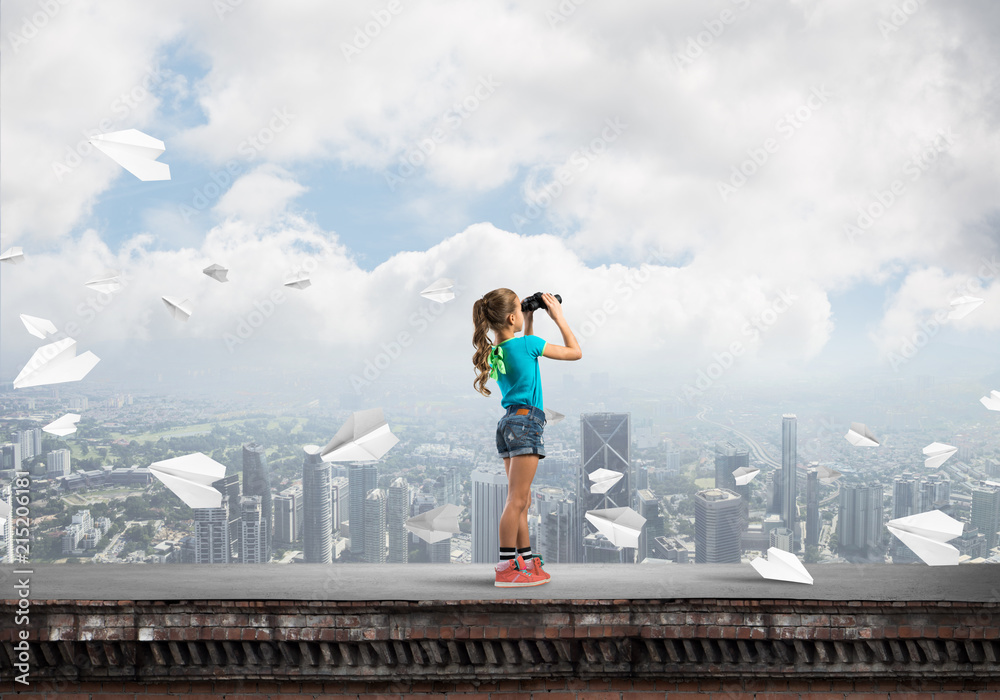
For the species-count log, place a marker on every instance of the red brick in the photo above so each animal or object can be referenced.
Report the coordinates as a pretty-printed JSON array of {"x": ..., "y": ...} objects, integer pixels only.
[
  {"x": 599, "y": 695},
  {"x": 641, "y": 695}
]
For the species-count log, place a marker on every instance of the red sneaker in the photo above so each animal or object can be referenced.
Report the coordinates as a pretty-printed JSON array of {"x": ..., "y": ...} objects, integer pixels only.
[
  {"x": 512, "y": 574},
  {"x": 534, "y": 567}
]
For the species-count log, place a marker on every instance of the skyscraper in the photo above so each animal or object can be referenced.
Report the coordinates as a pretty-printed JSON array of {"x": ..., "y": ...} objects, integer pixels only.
[
  {"x": 229, "y": 486},
  {"x": 251, "y": 531},
  {"x": 398, "y": 509},
  {"x": 30, "y": 441},
  {"x": 57, "y": 463},
  {"x": 905, "y": 497},
  {"x": 288, "y": 516},
  {"x": 340, "y": 496},
  {"x": 729, "y": 458},
  {"x": 605, "y": 439},
  {"x": 11, "y": 456},
  {"x": 317, "y": 508},
  {"x": 257, "y": 482},
  {"x": 211, "y": 532},
  {"x": 718, "y": 516},
  {"x": 649, "y": 508},
  {"x": 447, "y": 487},
  {"x": 859, "y": 522},
  {"x": 559, "y": 538},
  {"x": 789, "y": 462},
  {"x": 374, "y": 517},
  {"x": 986, "y": 512},
  {"x": 489, "y": 495},
  {"x": 774, "y": 492},
  {"x": 812, "y": 508},
  {"x": 361, "y": 479}
]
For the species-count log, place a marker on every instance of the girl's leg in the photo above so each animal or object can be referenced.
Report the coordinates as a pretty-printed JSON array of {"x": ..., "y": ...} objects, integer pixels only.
[
  {"x": 523, "y": 536},
  {"x": 520, "y": 474}
]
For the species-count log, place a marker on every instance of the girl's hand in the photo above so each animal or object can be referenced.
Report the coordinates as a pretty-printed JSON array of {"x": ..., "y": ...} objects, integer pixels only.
[{"x": 553, "y": 306}]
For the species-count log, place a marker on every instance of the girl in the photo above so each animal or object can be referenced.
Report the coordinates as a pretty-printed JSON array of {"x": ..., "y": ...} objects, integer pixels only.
[{"x": 513, "y": 363}]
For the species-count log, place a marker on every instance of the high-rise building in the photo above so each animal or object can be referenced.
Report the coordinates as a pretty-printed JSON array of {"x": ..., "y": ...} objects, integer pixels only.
[
  {"x": 559, "y": 538},
  {"x": 489, "y": 495},
  {"x": 375, "y": 531},
  {"x": 774, "y": 491},
  {"x": 905, "y": 501},
  {"x": 252, "y": 531},
  {"x": 648, "y": 506},
  {"x": 317, "y": 508},
  {"x": 729, "y": 458},
  {"x": 860, "y": 520},
  {"x": 10, "y": 455},
  {"x": 57, "y": 463},
  {"x": 718, "y": 525},
  {"x": 229, "y": 486},
  {"x": 340, "y": 496},
  {"x": 288, "y": 516},
  {"x": 361, "y": 479},
  {"x": 398, "y": 510},
  {"x": 781, "y": 538},
  {"x": 935, "y": 493},
  {"x": 211, "y": 533},
  {"x": 30, "y": 441},
  {"x": 257, "y": 482},
  {"x": 605, "y": 441},
  {"x": 986, "y": 512},
  {"x": 447, "y": 487},
  {"x": 789, "y": 465},
  {"x": 812, "y": 508}
]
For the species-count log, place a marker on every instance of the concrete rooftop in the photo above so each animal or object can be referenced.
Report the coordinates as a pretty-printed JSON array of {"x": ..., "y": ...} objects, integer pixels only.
[{"x": 438, "y": 582}]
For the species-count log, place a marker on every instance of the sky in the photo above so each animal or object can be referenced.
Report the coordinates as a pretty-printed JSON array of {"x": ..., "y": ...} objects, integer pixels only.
[{"x": 727, "y": 187}]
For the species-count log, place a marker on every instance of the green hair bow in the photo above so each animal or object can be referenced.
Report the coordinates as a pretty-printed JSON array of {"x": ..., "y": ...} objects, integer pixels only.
[{"x": 496, "y": 362}]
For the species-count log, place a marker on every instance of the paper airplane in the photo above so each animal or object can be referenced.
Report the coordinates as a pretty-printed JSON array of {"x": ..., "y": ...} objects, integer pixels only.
[
  {"x": 14, "y": 255},
  {"x": 216, "y": 272},
  {"x": 622, "y": 526},
  {"x": 991, "y": 402},
  {"x": 604, "y": 479},
  {"x": 937, "y": 454},
  {"x": 927, "y": 535},
  {"x": 435, "y": 525},
  {"x": 963, "y": 306},
  {"x": 781, "y": 566},
  {"x": 363, "y": 438},
  {"x": 552, "y": 417},
  {"x": 860, "y": 436},
  {"x": 177, "y": 308},
  {"x": 190, "y": 478},
  {"x": 299, "y": 282},
  {"x": 38, "y": 327},
  {"x": 108, "y": 282},
  {"x": 440, "y": 291},
  {"x": 744, "y": 475},
  {"x": 135, "y": 151},
  {"x": 64, "y": 425},
  {"x": 827, "y": 474},
  {"x": 56, "y": 363}
]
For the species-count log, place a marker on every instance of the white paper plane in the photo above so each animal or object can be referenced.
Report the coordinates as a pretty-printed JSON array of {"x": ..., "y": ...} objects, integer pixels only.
[
  {"x": 744, "y": 475},
  {"x": 826, "y": 474},
  {"x": 604, "y": 479},
  {"x": 440, "y": 291},
  {"x": 963, "y": 306},
  {"x": 860, "y": 436},
  {"x": 299, "y": 282},
  {"x": 190, "y": 478},
  {"x": 179, "y": 309},
  {"x": 937, "y": 453},
  {"x": 552, "y": 417},
  {"x": 108, "y": 282},
  {"x": 363, "y": 438},
  {"x": 217, "y": 272},
  {"x": 927, "y": 535},
  {"x": 14, "y": 256},
  {"x": 435, "y": 525},
  {"x": 622, "y": 526},
  {"x": 135, "y": 151},
  {"x": 56, "y": 363},
  {"x": 781, "y": 566},
  {"x": 38, "y": 327},
  {"x": 63, "y": 425},
  {"x": 991, "y": 402}
]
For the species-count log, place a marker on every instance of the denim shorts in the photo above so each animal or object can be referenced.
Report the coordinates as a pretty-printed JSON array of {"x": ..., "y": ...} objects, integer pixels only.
[{"x": 521, "y": 434}]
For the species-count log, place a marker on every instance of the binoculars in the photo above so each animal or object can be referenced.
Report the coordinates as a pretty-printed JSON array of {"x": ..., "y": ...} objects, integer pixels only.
[{"x": 534, "y": 302}]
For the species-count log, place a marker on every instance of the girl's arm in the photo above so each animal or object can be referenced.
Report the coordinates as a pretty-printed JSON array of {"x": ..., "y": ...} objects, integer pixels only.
[{"x": 571, "y": 351}]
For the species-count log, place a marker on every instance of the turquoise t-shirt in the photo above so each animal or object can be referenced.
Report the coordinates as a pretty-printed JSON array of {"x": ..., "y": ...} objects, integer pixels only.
[{"x": 522, "y": 384}]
